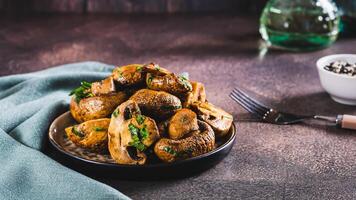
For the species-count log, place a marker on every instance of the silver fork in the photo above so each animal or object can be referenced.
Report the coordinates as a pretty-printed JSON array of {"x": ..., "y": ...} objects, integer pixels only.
[{"x": 273, "y": 116}]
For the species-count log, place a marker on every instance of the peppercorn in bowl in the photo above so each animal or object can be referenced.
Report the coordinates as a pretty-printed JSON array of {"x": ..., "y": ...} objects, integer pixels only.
[{"x": 338, "y": 77}]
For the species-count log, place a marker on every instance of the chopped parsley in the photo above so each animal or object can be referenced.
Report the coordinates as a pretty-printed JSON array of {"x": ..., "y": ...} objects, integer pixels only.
[
  {"x": 83, "y": 91},
  {"x": 116, "y": 113},
  {"x": 144, "y": 133},
  {"x": 227, "y": 117},
  {"x": 149, "y": 79},
  {"x": 138, "y": 135},
  {"x": 137, "y": 143},
  {"x": 99, "y": 128},
  {"x": 133, "y": 74},
  {"x": 157, "y": 67},
  {"x": 119, "y": 73},
  {"x": 77, "y": 132},
  {"x": 184, "y": 80},
  {"x": 140, "y": 119},
  {"x": 139, "y": 68},
  {"x": 170, "y": 150},
  {"x": 133, "y": 130},
  {"x": 185, "y": 75},
  {"x": 182, "y": 154}
]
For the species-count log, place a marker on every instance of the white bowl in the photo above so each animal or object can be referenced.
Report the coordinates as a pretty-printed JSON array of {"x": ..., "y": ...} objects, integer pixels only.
[{"x": 341, "y": 87}]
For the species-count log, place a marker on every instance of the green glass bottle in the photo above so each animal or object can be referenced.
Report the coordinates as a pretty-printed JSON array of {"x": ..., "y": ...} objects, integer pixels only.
[
  {"x": 348, "y": 18},
  {"x": 300, "y": 24}
]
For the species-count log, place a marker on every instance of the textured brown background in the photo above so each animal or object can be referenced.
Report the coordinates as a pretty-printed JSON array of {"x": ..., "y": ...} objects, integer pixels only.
[
  {"x": 129, "y": 6},
  {"x": 267, "y": 161}
]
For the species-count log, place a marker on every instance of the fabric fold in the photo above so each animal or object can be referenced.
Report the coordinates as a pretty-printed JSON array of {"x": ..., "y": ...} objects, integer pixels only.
[{"x": 28, "y": 104}]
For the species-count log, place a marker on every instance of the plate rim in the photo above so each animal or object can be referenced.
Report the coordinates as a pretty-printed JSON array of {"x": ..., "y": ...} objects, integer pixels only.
[{"x": 180, "y": 162}]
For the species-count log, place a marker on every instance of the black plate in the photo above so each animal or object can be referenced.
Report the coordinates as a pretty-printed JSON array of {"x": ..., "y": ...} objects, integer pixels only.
[{"x": 102, "y": 165}]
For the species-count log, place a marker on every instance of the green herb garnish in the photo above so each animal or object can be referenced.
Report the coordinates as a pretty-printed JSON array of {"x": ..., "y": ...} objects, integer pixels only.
[
  {"x": 138, "y": 145},
  {"x": 149, "y": 79},
  {"x": 140, "y": 119},
  {"x": 170, "y": 150},
  {"x": 119, "y": 73},
  {"x": 86, "y": 84},
  {"x": 227, "y": 117},
  {"x": 116, "y": 113},
  {"x": 138, "y": 135},
  {"x": 77, "y": 132},
  {"x": 144, "y": 133},
  {"x": 99, "y": 129},
  {"x": 139, "y": 68},
  {"x": 135, "y": 135},
  {"x": 185, "y": 75},
  {"x": 183, "y": 154},
  {"x": 184, "y": 80},
  {"x": 83, "y": 91},
  {"x": 133, "y": 130},
  {"x": 157, "y": 67}
]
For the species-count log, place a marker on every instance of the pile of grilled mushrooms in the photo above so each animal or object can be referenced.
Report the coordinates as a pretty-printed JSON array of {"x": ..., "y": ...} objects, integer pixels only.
[{"x": 142, "y": 110}]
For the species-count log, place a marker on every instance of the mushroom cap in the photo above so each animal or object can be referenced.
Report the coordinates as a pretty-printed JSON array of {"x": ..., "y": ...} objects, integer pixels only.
[
  {"x": 182, "y": 122},
  {"x": 130, "y": 133},
  {"x": 156, "y": 104},
  {"x": 96, "y": 107},
  {"x": 155, "y": 69},
  {"x": 196, "y": 95},
  {"x": 200, "y": 142},
  {"x": 128, "y": 75},
  {"x": 105, "y": 86},
  {"x": 217, "y": 118},
  {"x": 91, "y": 134},
  {"x": 170, "y": 83}
]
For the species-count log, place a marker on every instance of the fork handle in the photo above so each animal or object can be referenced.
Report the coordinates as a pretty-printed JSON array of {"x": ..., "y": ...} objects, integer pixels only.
[{"x": 346, "y": 121}]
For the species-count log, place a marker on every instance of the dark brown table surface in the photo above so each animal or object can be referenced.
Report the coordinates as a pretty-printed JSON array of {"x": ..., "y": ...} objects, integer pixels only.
[{"x": 267, "y": 161}]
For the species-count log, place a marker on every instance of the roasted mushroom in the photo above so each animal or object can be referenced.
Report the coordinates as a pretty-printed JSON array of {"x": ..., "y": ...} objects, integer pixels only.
[
  {"x": 135, "y": 74},
  {"x": 129, "y": 75},
  {"x": 95, "y": 107},
  {"x": 147, "y": 119},
  {"x": 95, "y": 100},
  {"x": 217, "y": 118},
  {"x": 91, "y": 134},
  {"x": 182, "y": 122},
  {"x": 105, "y": 86},
  {"x": 200, "y": 142},
  {"x": 156, "y": 104},
  {"x": 177, "y": 85},
  {"x": 196, "y": 95},
  {"x": 155, "y": 69},
  {"x": 130, "y": 134}
]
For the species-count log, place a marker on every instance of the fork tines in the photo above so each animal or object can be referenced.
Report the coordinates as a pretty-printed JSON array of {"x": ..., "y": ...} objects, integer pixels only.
[{"x": 250, "y": 104}]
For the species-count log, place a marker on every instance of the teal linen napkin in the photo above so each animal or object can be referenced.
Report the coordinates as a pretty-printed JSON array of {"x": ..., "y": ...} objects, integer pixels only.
[{"x": 28, "y": 104}]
